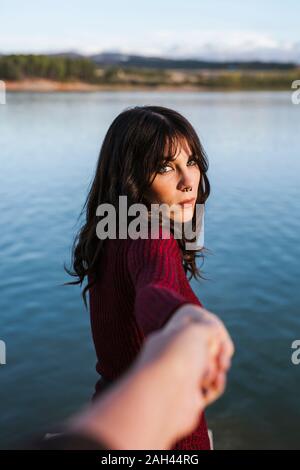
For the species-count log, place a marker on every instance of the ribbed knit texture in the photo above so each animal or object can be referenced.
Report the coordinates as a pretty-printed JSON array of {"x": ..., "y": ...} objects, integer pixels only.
[{"x": 142, "y": 284}]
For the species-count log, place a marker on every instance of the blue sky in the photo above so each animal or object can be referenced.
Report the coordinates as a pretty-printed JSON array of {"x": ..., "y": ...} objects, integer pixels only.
[{"x": 212, "y": 29}]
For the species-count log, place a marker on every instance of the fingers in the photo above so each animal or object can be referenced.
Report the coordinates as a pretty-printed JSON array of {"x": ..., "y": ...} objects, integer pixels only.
[
  {"x": 215, "y": 382},
  {"x": 221, "y": 336},
  {"x": 224, "y": 355},
  {"x": 215, "y": 389},
  {"x": 221, "y": 350},
  {"x": 199, "y": 334}
]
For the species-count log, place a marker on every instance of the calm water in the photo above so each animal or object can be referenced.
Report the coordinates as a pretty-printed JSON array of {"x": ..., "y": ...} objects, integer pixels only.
[{"x": 49, "y": 145}]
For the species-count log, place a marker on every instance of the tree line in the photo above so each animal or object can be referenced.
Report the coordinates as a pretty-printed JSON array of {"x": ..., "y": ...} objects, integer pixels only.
[{"x": 21, "y": 66}]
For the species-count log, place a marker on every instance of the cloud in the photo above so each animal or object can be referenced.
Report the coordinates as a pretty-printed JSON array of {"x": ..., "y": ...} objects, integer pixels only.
[
  {"x": 194, "y": 44},
  {"x": 213, "y": 45}
]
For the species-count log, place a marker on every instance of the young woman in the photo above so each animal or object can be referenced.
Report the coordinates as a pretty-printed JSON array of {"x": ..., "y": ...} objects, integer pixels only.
[{"x": 151, "y": 154}]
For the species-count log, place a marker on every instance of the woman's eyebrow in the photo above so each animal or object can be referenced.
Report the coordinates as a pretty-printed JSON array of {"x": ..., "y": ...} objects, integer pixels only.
[{"x": 170, "y": 158}]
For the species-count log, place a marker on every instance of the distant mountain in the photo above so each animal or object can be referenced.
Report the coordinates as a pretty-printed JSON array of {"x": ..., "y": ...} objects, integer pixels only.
[
  {"x": 70, "y": 54},
  {"x": 140, "y": 61},
  {"x": 110, "y": 58}
]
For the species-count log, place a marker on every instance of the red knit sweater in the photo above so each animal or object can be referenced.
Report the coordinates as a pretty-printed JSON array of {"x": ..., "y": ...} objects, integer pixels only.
[{"x": 142, "y": 284}]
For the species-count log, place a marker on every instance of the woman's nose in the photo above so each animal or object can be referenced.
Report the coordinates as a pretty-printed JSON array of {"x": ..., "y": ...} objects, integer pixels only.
[{"x": 185, "y": 180}]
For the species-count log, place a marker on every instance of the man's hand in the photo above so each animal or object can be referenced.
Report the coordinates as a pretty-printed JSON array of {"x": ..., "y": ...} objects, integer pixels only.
[
  {"x": 181, "y": 369},
  {"x": 218, "y": 349}
]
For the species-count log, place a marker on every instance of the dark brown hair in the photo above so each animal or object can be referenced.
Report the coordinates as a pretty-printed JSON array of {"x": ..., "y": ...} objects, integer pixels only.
[{"x": 132, "y": 152}]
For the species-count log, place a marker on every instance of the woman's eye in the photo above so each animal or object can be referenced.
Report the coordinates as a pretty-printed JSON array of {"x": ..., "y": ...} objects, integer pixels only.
[
  {"x": 168, "y": 168},
  {"x": 164, "y": 169}
]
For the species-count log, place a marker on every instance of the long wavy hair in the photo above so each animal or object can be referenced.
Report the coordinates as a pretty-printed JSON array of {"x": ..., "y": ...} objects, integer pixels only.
[{"x": 132, "y": 152}]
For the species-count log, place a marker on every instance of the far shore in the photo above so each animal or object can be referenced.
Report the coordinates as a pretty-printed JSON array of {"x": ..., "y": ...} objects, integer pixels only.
[{"x": 43, "y": 85}]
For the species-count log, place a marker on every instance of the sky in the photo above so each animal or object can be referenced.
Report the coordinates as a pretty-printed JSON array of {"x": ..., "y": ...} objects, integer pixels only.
[{"x": 211, "y": 29}]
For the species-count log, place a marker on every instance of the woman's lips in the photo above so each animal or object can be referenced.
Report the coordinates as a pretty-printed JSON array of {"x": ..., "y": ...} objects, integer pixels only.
[{"x": 187, "y": 202}]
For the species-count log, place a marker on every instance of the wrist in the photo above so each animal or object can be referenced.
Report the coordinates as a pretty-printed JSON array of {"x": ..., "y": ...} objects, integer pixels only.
[{"x": 131, "y": 416}]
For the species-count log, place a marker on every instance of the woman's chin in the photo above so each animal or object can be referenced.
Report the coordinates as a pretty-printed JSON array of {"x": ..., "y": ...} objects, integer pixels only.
[{"x": 184, "y": 215}]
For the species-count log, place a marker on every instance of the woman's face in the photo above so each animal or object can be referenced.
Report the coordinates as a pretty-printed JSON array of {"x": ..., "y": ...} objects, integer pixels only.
[{"x": 176, "y": 182}]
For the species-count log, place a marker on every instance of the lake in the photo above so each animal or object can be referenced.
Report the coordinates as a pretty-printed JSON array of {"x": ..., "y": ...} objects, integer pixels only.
[{"x": 49, "y": 145}]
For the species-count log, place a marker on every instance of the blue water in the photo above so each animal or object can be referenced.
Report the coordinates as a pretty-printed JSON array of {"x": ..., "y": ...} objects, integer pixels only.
[{"x": 49, "y": 146}]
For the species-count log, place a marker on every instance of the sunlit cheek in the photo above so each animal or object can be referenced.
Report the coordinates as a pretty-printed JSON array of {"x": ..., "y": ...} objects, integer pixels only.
[
  {"x": 196, "y": 176},
  {"x": 162, "y": 190}
]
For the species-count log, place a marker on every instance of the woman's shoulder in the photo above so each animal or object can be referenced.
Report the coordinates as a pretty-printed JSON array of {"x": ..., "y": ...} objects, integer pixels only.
[
  {"x": 158, "y": 251},
  {"x": 160, "y": 239}
]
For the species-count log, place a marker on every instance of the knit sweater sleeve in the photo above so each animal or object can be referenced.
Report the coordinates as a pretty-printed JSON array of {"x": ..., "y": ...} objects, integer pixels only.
[{"x": 154, "y": 267}]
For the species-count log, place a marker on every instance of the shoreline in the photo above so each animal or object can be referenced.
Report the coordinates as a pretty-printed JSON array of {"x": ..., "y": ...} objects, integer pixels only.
[{"x": 42, "y": 85}]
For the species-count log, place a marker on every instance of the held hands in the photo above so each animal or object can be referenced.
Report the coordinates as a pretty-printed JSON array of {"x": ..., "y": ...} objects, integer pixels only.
[
  {"x": 181, "y": 369},
  {"x": 190, "y": 357},
  {"x": 218, "y": 344},
  {"x": 197, "y": 345}
]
